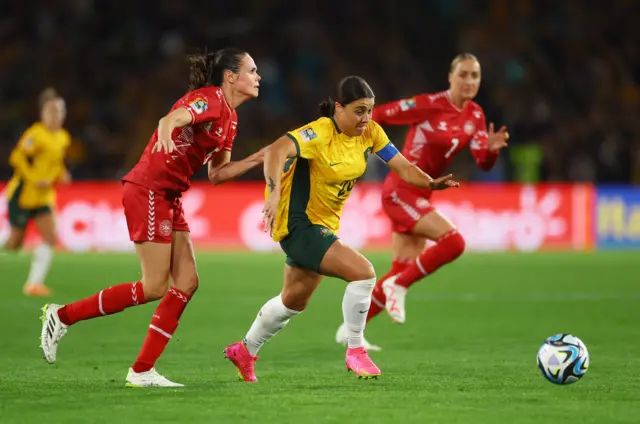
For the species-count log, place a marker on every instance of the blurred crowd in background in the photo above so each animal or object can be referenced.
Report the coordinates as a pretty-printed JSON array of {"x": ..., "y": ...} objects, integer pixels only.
[{"x": 563, "y": 76}]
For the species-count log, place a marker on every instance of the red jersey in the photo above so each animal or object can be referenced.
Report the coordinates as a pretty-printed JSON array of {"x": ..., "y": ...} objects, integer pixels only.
[
  {"x": 438, "y": 131},
  {"x": 212, "y": 130}
]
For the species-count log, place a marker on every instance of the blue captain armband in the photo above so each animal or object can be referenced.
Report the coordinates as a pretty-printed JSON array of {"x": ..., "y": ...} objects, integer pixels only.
[{"x": 387, "y": 152}]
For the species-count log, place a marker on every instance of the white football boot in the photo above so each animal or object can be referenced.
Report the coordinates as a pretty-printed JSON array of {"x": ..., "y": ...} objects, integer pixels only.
[
  {"x": 395, "y": 299},
  {"x": 341, "y": 338},
  {"x": 52, "y": 331},
  {"x": 149, "y": 378}
]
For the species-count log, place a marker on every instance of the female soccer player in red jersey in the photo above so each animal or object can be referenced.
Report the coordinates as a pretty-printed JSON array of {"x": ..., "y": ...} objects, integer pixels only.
[
  {"x": 198, "y": 130},
  {"x": 441, "y": 126}
]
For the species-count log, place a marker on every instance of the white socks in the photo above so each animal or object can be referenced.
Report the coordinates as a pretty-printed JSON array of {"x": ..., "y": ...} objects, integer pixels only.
[
  {"x": 40, "y": 264},
  {"x": 355, "y": 305},
  {"x": 272, "y": 318}
]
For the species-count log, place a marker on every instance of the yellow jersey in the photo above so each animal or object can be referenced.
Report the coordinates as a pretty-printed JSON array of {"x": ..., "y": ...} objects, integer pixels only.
[
  {"x": 38, "y": 156},
  {"x": 317, "y": 182}
]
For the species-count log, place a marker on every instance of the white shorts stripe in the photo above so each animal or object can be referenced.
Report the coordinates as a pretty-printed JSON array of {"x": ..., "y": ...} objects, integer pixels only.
[
  {"x": 161, "y": 331},
  {"x": 422, "y": 270},
  {"x": 100, "y": 303},
  {"x": 414, "y": 214}
]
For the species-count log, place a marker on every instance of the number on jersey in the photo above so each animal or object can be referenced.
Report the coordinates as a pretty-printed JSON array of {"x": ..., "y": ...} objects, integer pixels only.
[{"x": 454, "y": 145}]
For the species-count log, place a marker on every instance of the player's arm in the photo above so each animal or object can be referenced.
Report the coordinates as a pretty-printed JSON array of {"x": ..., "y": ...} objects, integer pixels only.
[
  {"x": 404, "y": 112},
  {"x": 22, "y": 156},
  {"x": 221, "y": 169},
  {"x": 485, "y": 146},
  {"x": 177, "y": 118},
  {"x": 275, "y": 157},
  {"x": 406, "y": 170},
  {"x": 413, "y": 175}
]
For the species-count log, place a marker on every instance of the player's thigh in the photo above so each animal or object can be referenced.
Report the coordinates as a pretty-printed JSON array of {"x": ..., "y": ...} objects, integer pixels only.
[
  {"x": 346, "y": 263},
  {"x": 432, "y": 226},
  {"x": 184, "y": 273},
  {"x": 46, "y": 224},
  {"x": 299, "y": 285},
  {"x": 155, "y": 261},
  {"x": 407, "y": 246}
]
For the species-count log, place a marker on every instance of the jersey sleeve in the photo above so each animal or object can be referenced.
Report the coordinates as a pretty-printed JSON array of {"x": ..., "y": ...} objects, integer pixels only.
[
  {"x": 382, "y": 146},
  {"x": 233, "y": 130},
  {"x": 404, "y": 112},
  {"x": 479, "y": 146},
  {"x": 203, "y": 104},
  {"x": 307, "y": 138}
]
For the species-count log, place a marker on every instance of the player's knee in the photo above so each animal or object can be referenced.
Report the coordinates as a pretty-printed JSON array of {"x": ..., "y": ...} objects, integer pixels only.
[
  {"x": 363, "y": 272},
  {"x": 188, "y": 284},
  {"x": 456, "y": 244},
  {"x": 155, "y": 288},
  {"x": 295, "y": 300}
]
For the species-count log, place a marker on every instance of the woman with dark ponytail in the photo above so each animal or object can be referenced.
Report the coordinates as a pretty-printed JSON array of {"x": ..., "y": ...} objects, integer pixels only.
[
  {"x": 310, "y": 173},
  {"x": 199, "y": 129}
]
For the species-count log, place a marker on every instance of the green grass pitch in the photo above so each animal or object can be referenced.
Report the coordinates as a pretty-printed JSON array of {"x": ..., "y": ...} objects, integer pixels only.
[{"x": 465, "y": 355}]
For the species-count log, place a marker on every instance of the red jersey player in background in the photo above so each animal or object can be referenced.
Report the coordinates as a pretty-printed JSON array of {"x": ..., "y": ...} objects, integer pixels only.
[
  {"x": 198, "y": 130},
  {"x": 441, "y": 126}
]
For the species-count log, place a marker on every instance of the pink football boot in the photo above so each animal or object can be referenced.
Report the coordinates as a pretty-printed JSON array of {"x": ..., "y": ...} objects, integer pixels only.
[
  {"x": 242, "y": 359},
  {"x": 359, "y": 362}
]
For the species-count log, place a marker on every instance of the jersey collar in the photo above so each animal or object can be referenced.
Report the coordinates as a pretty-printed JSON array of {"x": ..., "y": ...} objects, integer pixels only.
[{"x": 335, "y": 124}]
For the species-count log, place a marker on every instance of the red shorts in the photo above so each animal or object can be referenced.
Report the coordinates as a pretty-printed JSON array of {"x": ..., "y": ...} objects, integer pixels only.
[
  {"x": 405, "y": 208},
  {"x": 150, "y": 216}
]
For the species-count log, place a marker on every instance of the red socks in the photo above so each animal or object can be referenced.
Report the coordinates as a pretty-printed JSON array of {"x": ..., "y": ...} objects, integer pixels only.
[
  {"x": 107, "y": 302},
  {"x": 163, "y": 325},
  {"x": 377, "y": 297},
  {"x": 448, "y": 247}
]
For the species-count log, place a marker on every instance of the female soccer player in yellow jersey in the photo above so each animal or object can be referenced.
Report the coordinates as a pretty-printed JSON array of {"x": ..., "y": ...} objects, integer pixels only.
[
  {"x": 38, "y": 163},
  {"x": 310, "y": 173}
]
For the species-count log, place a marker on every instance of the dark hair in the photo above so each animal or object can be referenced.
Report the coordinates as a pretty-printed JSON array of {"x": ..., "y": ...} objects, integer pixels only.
[
  {"x": 350, "y": 88},
  {"x": 208, "y": 68},
  {"x": 47, "y": 95}
]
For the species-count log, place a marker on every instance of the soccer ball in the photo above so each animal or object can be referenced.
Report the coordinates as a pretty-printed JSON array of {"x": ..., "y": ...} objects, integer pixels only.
[{"x": 563, "y": 359}]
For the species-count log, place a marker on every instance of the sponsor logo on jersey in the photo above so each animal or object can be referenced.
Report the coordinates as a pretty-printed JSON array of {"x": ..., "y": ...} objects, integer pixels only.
[
  {"x": 442, "y": 126},
  {"x": 477, "y": 114},
  {"x": 407, "y": 104},
  {"x": 469, "y": 128},
  {"x": 308, "y": 134},
  {"x": 199, "y": 105}
]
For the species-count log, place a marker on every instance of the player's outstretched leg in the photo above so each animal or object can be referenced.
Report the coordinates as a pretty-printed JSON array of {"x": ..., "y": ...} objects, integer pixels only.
[
  {"x": 273, "y": 317},
  {"x": 42, "y": 256},
  {"x": 155, "y": 259},
  {"x": 299, "y": 285},
  {"x": 184, "y": 277},
  {"x": 448, "y": 247}
]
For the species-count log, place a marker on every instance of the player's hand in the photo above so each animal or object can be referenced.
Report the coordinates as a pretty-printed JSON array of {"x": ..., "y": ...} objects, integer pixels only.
[
  {"x": 165, "y": 144},
  {"x": 497, "y": 140},
  {"x": 269, "y": 212},
  {"x": 42, "y": 184},
  {"x": 66, "y": 178},
  {"x": 443, "y": 183}
]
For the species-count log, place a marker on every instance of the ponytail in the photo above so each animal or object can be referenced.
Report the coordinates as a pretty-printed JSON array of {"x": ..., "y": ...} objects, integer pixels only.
[
  {"x": 209, "y": 68},
  {"x": 327, "y": 107},
  {"x": 200, "y": 66}
]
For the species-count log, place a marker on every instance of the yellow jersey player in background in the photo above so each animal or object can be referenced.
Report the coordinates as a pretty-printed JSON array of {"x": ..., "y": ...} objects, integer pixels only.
[
  {"x": 38, "y": 163},
  {"x": 310, "y": 173}
]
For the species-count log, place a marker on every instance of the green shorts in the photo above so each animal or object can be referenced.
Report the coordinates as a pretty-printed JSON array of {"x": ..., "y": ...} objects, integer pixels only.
[
  {"x": 19, "y": 217},
  {"x": 306, "y": 245}
]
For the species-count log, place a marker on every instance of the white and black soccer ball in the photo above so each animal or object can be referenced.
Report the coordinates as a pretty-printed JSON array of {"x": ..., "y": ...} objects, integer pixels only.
[{"x": 563, "y": 359}]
